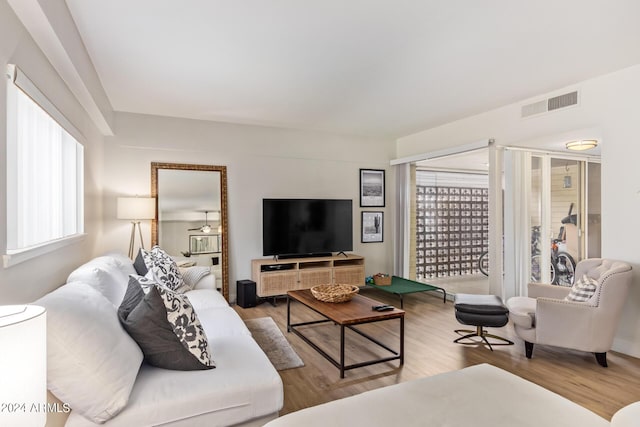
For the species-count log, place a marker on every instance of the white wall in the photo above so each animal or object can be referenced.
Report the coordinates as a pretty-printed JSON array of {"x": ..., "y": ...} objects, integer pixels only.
[
  {"x": 608, "y": 110},
  {"x": 27, "y": 281},
  {"x": 261, "y": 162}
]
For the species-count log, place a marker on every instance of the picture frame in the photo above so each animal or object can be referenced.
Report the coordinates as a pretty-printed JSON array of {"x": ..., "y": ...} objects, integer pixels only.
[
  {"x": 372, "y": 189},
  {"x": 372, "y": 227},
  {"x": 204, "y": 243}
]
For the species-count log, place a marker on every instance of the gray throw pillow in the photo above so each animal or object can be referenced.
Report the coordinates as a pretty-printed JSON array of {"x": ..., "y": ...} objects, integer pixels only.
[
  {"x": 583, "y": 290},
  {"x": 139, "y": 265},
  {"x": 132, "y": 297},
  {"x": 166, "y": 327}
]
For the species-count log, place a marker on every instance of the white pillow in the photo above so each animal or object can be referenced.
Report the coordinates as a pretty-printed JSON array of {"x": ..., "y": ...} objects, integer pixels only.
[
  {"x": 125, "y": 263},
  {"x": 583, "y": 290},
  {"x": 105, "y": 274},
  {"x": 193, "y": 275},
  {"x": 92, "y": 362}
]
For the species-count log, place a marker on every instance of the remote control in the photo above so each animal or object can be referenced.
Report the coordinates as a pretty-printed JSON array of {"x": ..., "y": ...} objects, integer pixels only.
[{"x": 383, "y": 307}]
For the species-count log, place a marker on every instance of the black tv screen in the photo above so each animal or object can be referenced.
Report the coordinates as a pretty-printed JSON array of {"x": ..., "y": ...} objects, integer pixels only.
[{"x": 299, "y": 227}]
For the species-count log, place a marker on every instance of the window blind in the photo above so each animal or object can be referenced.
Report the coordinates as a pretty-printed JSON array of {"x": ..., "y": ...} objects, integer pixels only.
[{"x": 44, "y": 169}]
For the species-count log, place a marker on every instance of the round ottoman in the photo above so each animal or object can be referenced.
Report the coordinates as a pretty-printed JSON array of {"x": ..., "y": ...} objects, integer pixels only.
[{"x": 481, "y": 311}]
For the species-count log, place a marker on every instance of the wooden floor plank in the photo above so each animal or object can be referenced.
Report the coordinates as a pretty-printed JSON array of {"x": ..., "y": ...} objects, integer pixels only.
[{"x": 429, "y": 335}]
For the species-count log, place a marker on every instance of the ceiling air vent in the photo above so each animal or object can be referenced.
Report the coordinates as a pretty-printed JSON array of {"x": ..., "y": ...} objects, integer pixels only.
[
  {"x": 551, "y": 104},
  {"x": 562, "y": 101}
]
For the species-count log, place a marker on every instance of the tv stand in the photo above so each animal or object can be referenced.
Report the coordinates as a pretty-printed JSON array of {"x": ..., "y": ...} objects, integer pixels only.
[
  {"x": 277, "y": 276},
  {"x": 311, "y": 255}
]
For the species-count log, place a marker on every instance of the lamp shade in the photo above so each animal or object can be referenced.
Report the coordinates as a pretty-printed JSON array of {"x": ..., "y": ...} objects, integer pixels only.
[
  {"x": 23, "y": 365},
  {"x": 136, "y": 208}
]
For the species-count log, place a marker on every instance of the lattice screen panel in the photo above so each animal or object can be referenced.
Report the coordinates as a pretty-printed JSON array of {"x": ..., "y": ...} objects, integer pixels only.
[{"x": 452, "y": 230}]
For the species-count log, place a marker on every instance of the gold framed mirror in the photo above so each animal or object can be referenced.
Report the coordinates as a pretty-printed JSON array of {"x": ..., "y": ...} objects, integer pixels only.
[{"x": 191, "y": 216}]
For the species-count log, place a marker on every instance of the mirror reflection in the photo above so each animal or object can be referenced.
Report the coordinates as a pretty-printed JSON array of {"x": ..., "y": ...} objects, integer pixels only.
[{"x": 191, "y": 216}]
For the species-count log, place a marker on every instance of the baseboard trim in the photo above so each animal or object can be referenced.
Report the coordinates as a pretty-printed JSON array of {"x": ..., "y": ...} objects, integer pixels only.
[{"x": 630, "y": 348}]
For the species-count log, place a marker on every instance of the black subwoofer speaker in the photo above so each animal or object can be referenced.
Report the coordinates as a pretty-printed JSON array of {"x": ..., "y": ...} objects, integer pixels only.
[{"x": 246, "y": 290}]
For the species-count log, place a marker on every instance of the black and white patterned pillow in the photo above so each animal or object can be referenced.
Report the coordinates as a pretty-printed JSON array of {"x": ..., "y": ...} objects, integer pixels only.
[
  {"x": 583, "y": 290},
  {"x": 186, "y": 325},
  {"x": 163, "y": 269},
  {"x": 166, "y": 327},
  {"x": 146, "y": 283}
]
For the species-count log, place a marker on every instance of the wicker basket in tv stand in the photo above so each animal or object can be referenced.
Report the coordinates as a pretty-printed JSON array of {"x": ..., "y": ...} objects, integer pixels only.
[{"x": 276, "y": 277}]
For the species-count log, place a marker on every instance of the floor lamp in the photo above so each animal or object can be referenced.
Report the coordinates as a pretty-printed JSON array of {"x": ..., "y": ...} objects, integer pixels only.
[
  {"x": 136, "y": 209},
  {"x": 23, "y": 365}
]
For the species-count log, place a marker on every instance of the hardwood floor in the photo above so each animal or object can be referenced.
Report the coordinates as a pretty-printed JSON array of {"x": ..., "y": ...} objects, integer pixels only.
[{"x": 429, "y": 350}]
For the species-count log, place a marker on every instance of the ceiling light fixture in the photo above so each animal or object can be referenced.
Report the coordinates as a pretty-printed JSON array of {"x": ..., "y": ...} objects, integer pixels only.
[
  {"x": 586, "y": 144},
  {"x": 206, "y": 228}
]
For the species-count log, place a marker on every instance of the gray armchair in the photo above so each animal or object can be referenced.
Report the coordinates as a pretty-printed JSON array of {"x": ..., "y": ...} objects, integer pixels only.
[{"x": 545, "y": 317}]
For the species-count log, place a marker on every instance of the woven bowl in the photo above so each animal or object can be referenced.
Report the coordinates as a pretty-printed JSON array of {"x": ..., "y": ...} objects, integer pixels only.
[{"x": 334, "y": 292}]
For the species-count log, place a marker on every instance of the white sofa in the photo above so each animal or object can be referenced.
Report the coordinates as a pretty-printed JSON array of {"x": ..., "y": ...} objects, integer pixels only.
[
  {"x": 479, "y": 396},
  {"x": 96, "y": 368}
]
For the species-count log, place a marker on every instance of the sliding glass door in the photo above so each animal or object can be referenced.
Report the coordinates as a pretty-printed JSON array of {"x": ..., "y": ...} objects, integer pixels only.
[{"x": 563, "y": 205}]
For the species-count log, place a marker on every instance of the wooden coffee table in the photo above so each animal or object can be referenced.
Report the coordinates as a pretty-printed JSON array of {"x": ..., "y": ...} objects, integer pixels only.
[{"x": 346, "y": 314}]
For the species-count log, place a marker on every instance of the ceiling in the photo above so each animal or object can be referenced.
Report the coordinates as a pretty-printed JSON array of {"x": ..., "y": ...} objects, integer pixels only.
[
  {"x": 376, "y": 68},
  {"x": 190, "y": 192}
]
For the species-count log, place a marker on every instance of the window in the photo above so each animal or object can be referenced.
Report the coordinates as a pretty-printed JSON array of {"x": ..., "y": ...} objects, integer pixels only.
[
  {"x": 44, "y": 173},
  {"x": 452, "y": 223}
]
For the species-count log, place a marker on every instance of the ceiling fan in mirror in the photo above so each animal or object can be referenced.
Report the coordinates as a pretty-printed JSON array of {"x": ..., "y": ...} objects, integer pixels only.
[{"x": 206, "y": 228}]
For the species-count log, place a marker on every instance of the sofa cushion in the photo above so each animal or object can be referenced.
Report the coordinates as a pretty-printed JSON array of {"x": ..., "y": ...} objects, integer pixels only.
[
  {"x": 522, "y": 311},
  {"x": 626, "y": 416},
  {"x": 466, "y": 397},
  {"x": 107, "y": 274},
  {"x": 221, "y": 322},
  {"x": 583, "y": 290},
  {"x": 202, "y": 299},
  {"x": 163, "y": 269},
  {"x": 92, "y": 362},
  {"x": 244, "y": 385},
  {"x": 166, "y": 327}
]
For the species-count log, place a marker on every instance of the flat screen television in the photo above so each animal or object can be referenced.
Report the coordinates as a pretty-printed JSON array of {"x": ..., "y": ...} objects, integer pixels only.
[{"x": 306, "y": 227}]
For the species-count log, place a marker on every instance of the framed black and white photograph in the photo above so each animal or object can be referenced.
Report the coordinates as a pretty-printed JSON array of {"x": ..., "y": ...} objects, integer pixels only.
[
  {"x": 204, "y": 244},
  {"x": 372, "y": 225},
  {"x": 371, "y": 188}
]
